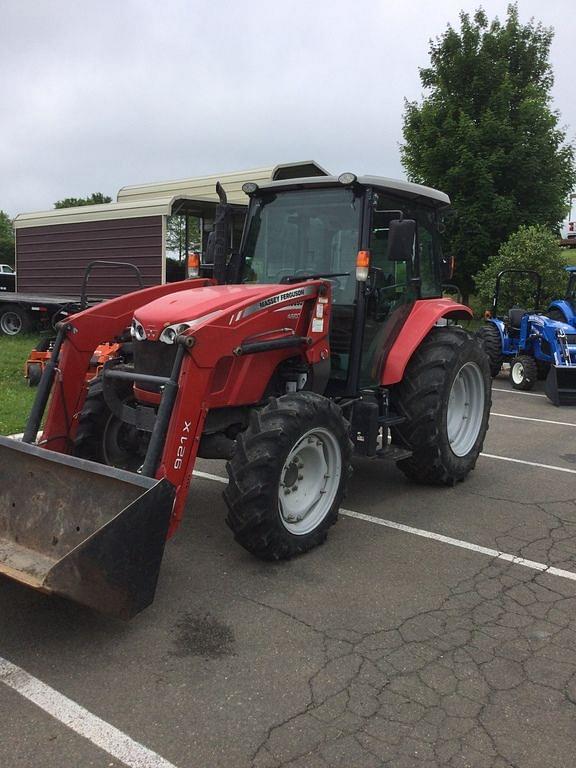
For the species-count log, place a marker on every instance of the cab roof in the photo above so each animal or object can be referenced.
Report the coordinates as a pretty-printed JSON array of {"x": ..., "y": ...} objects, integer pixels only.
[{"x": 403, "y": 188}]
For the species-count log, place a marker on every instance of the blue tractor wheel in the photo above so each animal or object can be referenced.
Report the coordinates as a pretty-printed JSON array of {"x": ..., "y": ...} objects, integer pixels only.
[{"x": 523, "y": 372}]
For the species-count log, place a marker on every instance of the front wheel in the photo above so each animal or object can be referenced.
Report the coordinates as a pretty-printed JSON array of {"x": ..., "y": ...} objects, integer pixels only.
[
  {"x": 445, "y": 396},
  {"x": 523, "y": 372},
  {"x": 288, "y": 476}
]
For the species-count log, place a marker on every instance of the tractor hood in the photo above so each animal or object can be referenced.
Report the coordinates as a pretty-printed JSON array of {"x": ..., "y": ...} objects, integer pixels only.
[{"x": 198, "y": 303}]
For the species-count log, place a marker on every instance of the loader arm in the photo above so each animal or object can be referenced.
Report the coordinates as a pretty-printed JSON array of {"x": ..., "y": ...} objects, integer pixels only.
[
  {"x": 85, "y": 331},
  {"x": 231, "y": 356}
]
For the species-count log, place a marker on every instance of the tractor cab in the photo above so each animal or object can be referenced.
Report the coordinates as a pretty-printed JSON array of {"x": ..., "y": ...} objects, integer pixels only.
[{"x": 374, "y": 239}]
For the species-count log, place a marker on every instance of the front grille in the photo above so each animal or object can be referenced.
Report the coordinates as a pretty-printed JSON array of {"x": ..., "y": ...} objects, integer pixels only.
[{"x": 154, "y": 358}]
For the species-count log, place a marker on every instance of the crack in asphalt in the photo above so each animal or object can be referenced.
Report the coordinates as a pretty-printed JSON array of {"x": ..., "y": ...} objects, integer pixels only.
[{"x": 449, "y": 685}]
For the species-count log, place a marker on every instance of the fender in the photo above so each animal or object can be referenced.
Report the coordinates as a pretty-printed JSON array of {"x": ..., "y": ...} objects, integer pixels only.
[
  {"x": 566, "y": 308},
  {"x": 424, "y": 315}
]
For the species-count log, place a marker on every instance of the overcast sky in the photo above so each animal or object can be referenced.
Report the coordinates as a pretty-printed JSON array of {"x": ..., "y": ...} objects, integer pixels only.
[{"x": 98, "y": 95}]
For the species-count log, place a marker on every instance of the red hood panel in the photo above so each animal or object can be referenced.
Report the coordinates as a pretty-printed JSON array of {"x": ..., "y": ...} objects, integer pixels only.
[{"x": 197, "y": 302}]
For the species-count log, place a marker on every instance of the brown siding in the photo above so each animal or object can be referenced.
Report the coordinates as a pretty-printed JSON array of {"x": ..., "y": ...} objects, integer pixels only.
[{"x": 51, "y": 260}]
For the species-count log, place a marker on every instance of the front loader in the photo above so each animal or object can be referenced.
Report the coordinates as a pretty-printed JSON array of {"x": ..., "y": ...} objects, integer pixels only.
[{"x": 325, "y": 335}]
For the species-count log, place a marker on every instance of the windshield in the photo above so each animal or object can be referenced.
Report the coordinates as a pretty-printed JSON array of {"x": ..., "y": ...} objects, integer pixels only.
[{"x": 307, "y": 232}]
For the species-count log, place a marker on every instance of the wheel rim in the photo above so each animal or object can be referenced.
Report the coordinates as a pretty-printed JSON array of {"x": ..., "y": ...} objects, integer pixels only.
[
  {"x": 517, "y": 372},
  {"x": 10, "y": 323},
  {"x": 465, "y": 409},
  {"x": 309, "y": 481}
]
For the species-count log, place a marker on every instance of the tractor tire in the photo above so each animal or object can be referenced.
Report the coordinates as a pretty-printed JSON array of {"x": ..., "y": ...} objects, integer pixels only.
[
  {"x": 446, "y": 384},
  {"x": 489, "y": 337},
  {"x": 103, "y": 438},
  {"x": 34, "y": 374},
  {"x": 523, "y": 372},
  {"x": 288, "y": 476}
]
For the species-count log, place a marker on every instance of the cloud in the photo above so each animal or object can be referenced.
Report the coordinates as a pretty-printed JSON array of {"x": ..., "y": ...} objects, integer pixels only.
[{"x": 98, "y": 96}]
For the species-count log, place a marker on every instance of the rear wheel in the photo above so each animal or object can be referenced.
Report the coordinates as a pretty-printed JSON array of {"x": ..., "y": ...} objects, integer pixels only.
[
  {"x": 523, "y": 372},
  {"x": 104, "y": 438},
  {"x": 489, "y": 337},
  {"x": 288, "y": 476},
  {"x": 445, "y": 394}
]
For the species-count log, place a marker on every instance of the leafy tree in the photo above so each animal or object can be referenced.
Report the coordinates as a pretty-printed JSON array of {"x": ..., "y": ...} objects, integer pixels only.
[
  {"x": 6, "y": 239},
  {"x": 486, "y": 134},
  {"x": 96, "y": 198},
  {"x": 531, "y": 247},
  {"x": 176, "y": 235}
]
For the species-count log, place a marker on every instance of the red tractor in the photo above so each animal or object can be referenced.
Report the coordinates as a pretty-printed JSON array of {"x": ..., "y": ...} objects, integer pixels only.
[{"x": 325, "y": 335}]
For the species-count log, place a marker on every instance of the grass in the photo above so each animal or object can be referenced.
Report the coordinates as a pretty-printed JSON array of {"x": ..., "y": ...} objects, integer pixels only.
[{"x": 15, "y": 395}]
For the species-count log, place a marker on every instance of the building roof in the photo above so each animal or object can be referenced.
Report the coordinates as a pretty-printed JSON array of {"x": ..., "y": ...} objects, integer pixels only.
[
  {"x": 205, "y": 186},
  {"x": 159, "y": 199}
]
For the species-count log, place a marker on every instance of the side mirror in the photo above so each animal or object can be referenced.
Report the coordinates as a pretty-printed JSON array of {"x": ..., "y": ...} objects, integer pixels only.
[{"x": 401, "y": 236}]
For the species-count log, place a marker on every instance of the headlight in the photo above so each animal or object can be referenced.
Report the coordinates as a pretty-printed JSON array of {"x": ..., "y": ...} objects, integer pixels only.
[
  {"x": 169, "y": 334},
  {"x": 137, "y": 330}
]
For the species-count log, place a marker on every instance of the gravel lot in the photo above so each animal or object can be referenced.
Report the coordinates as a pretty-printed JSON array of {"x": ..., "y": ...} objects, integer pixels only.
[{"x": 382, "y": 648}]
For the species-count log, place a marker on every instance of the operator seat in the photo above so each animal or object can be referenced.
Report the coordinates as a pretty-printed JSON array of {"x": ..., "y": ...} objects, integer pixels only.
[{"x": 515, "y": 316}]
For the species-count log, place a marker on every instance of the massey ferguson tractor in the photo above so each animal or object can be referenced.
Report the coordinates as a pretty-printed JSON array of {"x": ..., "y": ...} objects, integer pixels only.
[{"x": 325, "y": 335}]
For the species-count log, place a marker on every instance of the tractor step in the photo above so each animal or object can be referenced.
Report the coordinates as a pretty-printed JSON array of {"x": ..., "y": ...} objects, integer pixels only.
[
  {"x": 391, "y": 421},
  {"x": 394, "y": 453}
]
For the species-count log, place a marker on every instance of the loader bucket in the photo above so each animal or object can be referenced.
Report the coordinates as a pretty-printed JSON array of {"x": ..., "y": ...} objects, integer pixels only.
[
  {"x": 561, "y": 384},
  {"x": 75, "y": 528}
]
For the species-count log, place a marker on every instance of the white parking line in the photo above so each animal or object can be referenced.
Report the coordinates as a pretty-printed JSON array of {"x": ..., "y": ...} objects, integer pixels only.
[
  {"x": 80, "y": 720},
  {"x": 532, "y": 564},
  {"x": 529, "y": 463},
  {"x": 527, "y": 418},
  {"x": 517, "y": 392},
  {"x": 535, "y": 566}
]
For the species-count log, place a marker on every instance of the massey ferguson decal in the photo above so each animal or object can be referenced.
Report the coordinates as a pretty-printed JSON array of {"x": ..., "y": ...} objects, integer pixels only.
[{"x": 295, "y": 293}]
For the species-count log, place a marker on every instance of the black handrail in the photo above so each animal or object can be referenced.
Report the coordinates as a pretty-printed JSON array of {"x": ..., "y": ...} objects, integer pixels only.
[{"x": 103, "y": 263}]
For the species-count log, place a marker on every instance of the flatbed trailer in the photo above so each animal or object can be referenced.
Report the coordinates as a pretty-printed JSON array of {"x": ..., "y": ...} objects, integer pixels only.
[{"x": 27, "y": 312}]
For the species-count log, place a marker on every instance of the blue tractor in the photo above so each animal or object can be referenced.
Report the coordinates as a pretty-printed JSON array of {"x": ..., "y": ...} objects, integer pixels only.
[{"x": 537, "y": 345}]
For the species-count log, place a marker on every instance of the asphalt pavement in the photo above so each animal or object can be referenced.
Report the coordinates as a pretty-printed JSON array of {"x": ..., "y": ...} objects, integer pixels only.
[{"x": 384, "y": 647}]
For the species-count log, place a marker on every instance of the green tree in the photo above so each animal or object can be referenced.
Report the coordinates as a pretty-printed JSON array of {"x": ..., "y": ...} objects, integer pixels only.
[
  {"x": 485, "y": 133},
  {"x": 96, "y": 198},
  {"x": 6, "y": 239},
  {"x": 176, "y": 236},
  {"x": 531, "y": 247}
]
